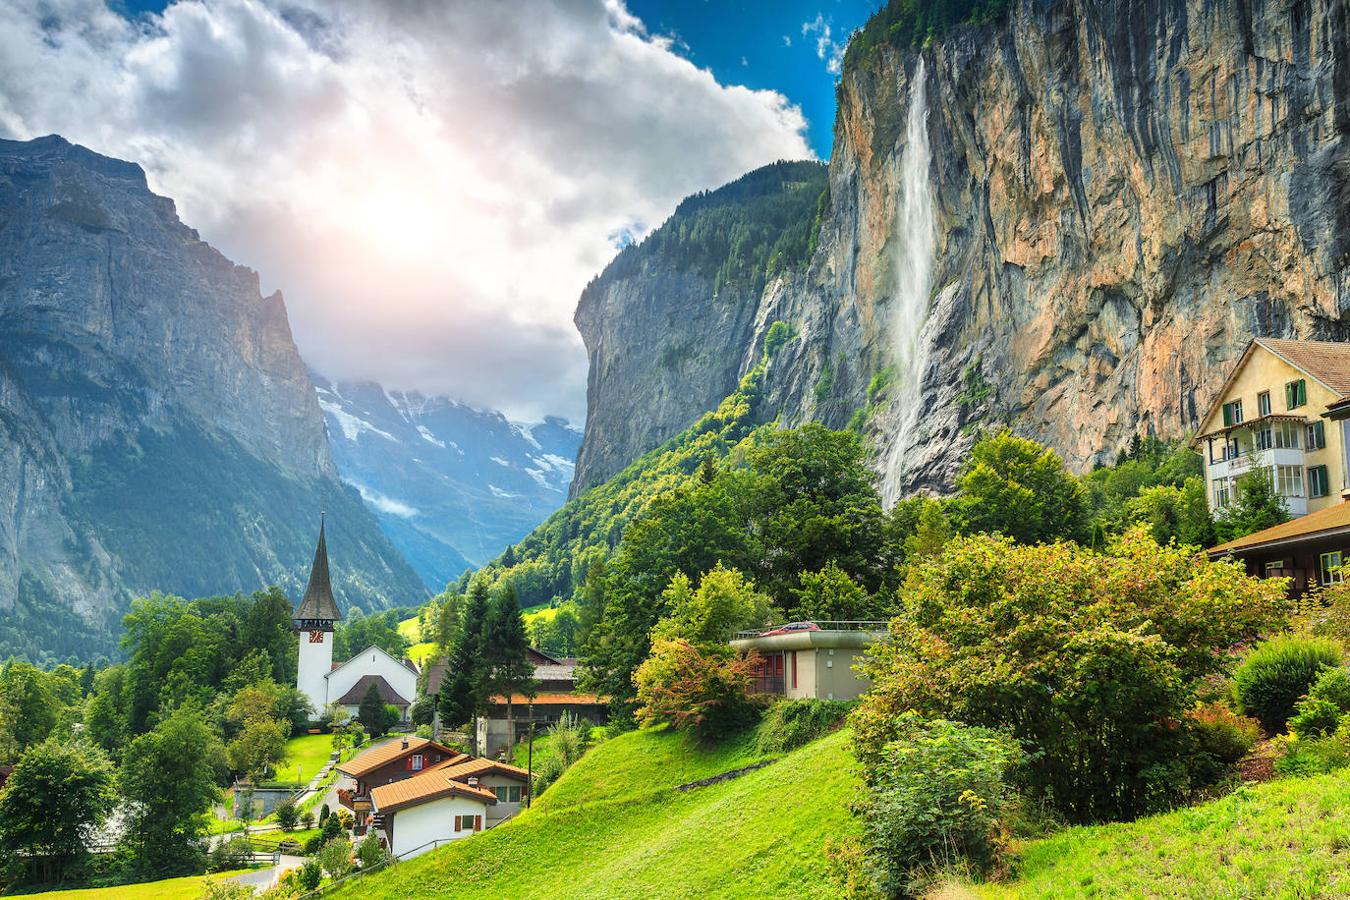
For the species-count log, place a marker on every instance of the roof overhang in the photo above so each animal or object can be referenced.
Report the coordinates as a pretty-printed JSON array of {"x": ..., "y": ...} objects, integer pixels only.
[
  {"x": 1248, "y": 423},
  {"x": 809, "y": 640},
  {"x": 1325, "y": 534}
]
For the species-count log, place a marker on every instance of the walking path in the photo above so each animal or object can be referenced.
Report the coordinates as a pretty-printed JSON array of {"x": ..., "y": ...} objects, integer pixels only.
[{"x": 268, "y": 877}]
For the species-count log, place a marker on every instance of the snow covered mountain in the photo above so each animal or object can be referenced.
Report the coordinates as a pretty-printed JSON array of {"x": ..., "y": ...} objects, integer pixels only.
[{"x": 451, "y": 485}]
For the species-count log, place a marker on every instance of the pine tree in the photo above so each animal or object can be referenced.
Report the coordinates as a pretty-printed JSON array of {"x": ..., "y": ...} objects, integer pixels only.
[
  {"x": 506, "y": 660},
  {"x": 371, "y": 711},
  {"x": 461, "y": 694}
]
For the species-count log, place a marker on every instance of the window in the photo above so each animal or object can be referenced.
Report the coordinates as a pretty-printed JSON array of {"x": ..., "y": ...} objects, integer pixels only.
[
  {"x": 1223, "y": 492},
  {"x": 1296, "y": 393},
  {"x": 1331, "y": 568},
  {"x": 468, "y": 823},
  {"x": 1286, "y": 435},
  {"x": 1289, "y": 481},
  {"x": 1263, "y": 403},
  {"x": 1232, "y": 413},
  {"x": 1317, "y": 435},
  {"x": 417, "y": 762},
  {"x": 1317, "y": 481},
  {"x": 507, "y": 793},
  {"x": 1264, "y": 439},
  {"x": 1275, "y": 568}
]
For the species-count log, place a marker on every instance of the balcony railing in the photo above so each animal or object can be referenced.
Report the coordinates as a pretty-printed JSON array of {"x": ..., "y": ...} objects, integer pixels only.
[{"x": 821, "y": 625}]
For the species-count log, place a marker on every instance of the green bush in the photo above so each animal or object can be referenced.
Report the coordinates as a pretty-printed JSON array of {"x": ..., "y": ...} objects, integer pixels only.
[
  {"x": 310, "y": 876},
  {"x": 1315, "y": 718},
  {"x": 287, "y": 815},
  {"x": 232, "y": 854},
  {"x": 1305, "y": 757},
  {"x": 1277, "y": 673},
  {"x": 1333, "y": 685},
  {"x": 371, "y": 852},
  {"x": 567, "y": 740},
  {"x": 789, "y": 724},
  {"x": 935, "y": 801},
  {"x": 1222, "y": 734},
  {"x": 779, "y": 334}
]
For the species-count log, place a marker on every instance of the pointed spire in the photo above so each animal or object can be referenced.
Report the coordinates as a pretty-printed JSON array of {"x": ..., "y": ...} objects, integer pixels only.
[{"x": 318, "y": 603}]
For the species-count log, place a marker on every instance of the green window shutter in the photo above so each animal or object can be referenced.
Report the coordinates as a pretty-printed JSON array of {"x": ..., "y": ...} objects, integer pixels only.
[
  {"x": 1302, "y": 392},
  {"x": 1227, "y": 414}
]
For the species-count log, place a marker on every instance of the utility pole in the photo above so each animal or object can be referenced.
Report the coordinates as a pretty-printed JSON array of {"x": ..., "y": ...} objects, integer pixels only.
[{"x": 529, "y": 768}]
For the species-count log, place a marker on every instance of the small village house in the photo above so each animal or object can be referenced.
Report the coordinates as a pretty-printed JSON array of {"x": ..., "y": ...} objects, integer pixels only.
[
  {"x": 810, "y": 659},
  {"x": 1285, "y": 410},
  {"x": 417, "y": 794}
]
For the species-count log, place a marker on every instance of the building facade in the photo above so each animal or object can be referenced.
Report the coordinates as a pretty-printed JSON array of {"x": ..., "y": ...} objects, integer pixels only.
[
  {"x": 1284, "y": 410},
  {"x": 811, "y": 660}
]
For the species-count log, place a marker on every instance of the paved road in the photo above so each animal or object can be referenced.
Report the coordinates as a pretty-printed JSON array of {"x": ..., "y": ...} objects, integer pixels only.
[{"x": 266, "y": 878}]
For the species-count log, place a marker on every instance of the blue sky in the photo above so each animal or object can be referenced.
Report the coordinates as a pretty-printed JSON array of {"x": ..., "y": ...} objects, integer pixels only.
[{"x": 772, "y": 44}]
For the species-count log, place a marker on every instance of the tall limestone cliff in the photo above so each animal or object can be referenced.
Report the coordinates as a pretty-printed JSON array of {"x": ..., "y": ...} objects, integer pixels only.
[
  {"x": 158, "y": 429},
  {"x": 1121, "y": 193}
]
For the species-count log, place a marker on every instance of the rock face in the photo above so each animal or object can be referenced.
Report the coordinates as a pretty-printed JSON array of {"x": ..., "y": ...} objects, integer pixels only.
[
  {"x": 1124, "y": 194},
  {"x": 451, "y": 485},
  {"x": 158, "y": 429}
]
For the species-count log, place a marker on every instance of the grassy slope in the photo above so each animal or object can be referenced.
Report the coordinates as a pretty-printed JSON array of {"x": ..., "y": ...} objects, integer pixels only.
[
  {"x": 186, "y": 888},
  {"x": 1284, "y": 839},
  {"x": 309, "y": 752},
  {"x": 628, "y": 835},
  {"x": 412, "y": 630}
]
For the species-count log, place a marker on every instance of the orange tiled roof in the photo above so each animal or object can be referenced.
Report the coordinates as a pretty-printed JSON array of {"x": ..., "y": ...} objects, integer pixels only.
[
  {"x": 1327, "y": 361},
  {"x": 375, "y": 757},
  {"x": 1324, "y": 520},
  {"x": 476, "y": 765},
  {"x": 430, "y": 785},
  {"x": 551, "y": 699}
]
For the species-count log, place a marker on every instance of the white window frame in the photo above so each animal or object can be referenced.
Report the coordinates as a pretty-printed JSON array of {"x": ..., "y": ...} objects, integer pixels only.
[
  {"x": 1329, "y": 567},
  {"x": 1316, "y": 434},
  {"x": 1289, "y": 481},
  {"x": 1263, "y": 403},
  {"x": 1324, "y": 478}
]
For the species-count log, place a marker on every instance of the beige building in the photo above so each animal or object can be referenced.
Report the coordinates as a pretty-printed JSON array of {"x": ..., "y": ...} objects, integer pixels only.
[
  {"x": 1285, "y": 409},
  {"x": 811, "y": 659}
]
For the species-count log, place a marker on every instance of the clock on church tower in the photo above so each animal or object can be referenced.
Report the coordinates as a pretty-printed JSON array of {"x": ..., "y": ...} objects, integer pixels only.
[{"x": 314, "y": 621}]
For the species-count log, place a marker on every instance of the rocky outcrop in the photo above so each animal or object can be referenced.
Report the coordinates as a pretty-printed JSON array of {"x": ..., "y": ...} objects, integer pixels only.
[
  {"x": 158, "y": 429},
  {"x": 1125, "y": 192}
]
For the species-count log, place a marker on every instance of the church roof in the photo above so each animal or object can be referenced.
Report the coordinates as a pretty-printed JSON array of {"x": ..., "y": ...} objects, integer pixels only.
[
  {"x": 357, "y": 692},
  {"x": 318, "y": 602}
]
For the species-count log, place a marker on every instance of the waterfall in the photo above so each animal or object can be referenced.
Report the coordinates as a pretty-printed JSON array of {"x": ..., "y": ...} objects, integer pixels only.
[{"x": 916, "y": 243}]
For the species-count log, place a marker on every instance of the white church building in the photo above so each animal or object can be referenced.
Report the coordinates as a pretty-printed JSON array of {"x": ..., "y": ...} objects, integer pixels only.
[{"x": 345, "y": 684}]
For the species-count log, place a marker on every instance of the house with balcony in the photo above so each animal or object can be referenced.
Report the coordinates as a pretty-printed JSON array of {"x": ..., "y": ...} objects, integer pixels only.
[
  {"x": 1283, "y": 410},
  {"x": 802, "y": 660},
  {"x": 390, "y": 762}
]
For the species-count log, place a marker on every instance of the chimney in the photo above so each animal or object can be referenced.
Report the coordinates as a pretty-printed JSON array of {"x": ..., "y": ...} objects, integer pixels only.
[
  {"x": 405, "y": 742},
  {"x": 473, "y": 781}
]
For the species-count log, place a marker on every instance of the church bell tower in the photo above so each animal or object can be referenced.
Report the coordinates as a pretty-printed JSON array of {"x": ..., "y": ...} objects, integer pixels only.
[{"x": 314, "y": 619}]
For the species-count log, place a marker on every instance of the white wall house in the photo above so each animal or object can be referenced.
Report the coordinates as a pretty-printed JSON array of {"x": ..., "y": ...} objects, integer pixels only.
[
  {"x": 375, "y": 663},
  {"x": 414, "y": 830}
]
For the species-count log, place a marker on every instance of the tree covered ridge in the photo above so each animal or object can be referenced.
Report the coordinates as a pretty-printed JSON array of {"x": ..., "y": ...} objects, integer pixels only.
[
  {"x": 914, "y": 23},
  {"x": 740, "y": 234}
]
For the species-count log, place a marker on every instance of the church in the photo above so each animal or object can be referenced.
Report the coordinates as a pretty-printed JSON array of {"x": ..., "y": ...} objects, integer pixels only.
[{"x": 322, "y": 681}]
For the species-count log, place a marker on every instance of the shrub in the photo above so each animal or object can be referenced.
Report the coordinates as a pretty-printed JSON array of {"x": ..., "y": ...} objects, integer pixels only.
[
  {"x": 1305, "y": 757},
  {"x": 324, "y": 813},
  {"x": 287, "y": 815},
  {"x": 702, "y": 691},
  {"x": 567, "y": 741},
  {"x": 1090, "y": 658},
  {"x": 1333, "y": 685},
  {"x": 307, "y": 819},
  {"x": 935, "y": 800},
  {"x": 345, "y": 819},
  {"x": 789, "y": 724},
  {"x": 1277, "y": 673},
  {"x": 232, "y": 854},
  {"x": 335, "y": 857},
  {"x": 1222, "y": 733},
  {"x": 371, "y": 852},
  {"x": 311, "y": 873},
  {"x": 779, "y": 334},
  {"x": 1315, "y": 718}
]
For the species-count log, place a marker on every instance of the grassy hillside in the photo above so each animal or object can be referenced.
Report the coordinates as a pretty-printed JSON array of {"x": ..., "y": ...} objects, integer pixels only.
[
  {"x": 1283, "y": 839},
  {"x": 627, "y": 834},
  {"x": 186, "y": 888}
]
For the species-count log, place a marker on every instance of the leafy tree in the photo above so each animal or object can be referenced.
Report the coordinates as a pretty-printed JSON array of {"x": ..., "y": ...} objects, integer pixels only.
[
  {"x": 831, "y": 595},
  {"x": 335, "y": 857},
  {"x": 1012, "y": 486},
  {"x": 370, "y": 713},
  {"x": 506, "y": 665},
  {"x": 724, "y": 603},
  {"x": 701, "y": 690},
  {"x": 29, "y": 707},
  {"x": 1171, "y": 513},
  {"x": 1256, "y": 505},
  {"x": 287, "y": 814},
  {"x": 371, "y": 852},
  {"x": 260, "y": 744},
  {"x": 311, "y": 875},
  {"x": 168, "y": 779},
  {"x": 104, "y": 713},
  {"x": 423, "y": 710},
  {"x": 932, "y": 530},
  {"x": 1089, "y": 659},
  {"x": 359, "y": 631},
  {"x": 59, "y": 792}
]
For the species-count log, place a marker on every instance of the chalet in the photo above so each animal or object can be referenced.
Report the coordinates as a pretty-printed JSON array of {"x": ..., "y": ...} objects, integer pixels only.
[
  {"x": 390, "y": 762},
  {"x": 453, "y": 798},
  {"x": 317, "y": 677},
  {"x": 556, "y": 694},
  {"x": 810, "y": 659},
  {"x": 1284, "y": 410}
]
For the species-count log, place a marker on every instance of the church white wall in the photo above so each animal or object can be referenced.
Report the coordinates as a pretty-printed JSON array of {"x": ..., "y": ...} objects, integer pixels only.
[
  {"x": 371, "y": 661},
  {"x": 315, "y": 660}
]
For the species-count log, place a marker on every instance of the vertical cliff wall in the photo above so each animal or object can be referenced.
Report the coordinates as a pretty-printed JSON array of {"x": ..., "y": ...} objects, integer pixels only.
[{"x": 1124, "y": 194}]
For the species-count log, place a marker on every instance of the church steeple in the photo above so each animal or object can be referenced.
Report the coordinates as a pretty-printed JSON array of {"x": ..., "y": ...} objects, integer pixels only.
[{"x": 318, "y": 604}]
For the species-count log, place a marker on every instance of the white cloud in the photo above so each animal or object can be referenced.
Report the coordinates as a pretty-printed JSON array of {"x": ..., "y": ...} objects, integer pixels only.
[
  {"x": 431, "y": 184},
  {"x": 382, "y": 502},
  {"x": 787, "y": 40},
  {"x": 827, "y": 49}
]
